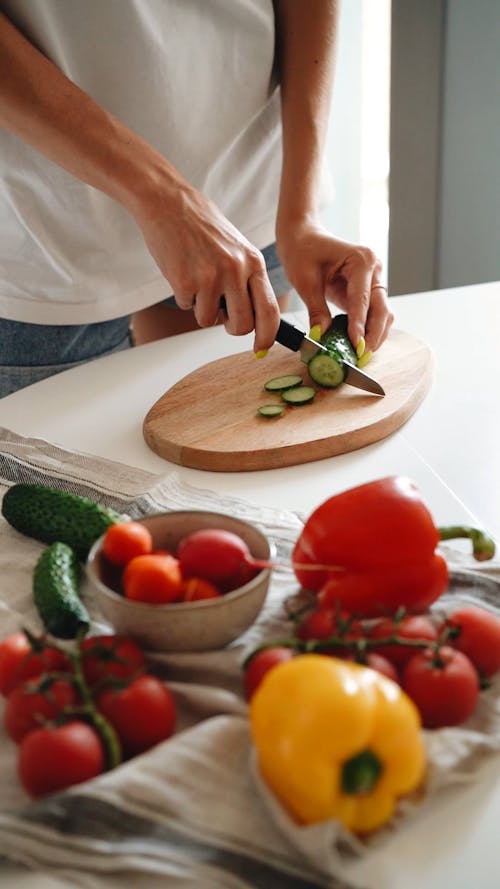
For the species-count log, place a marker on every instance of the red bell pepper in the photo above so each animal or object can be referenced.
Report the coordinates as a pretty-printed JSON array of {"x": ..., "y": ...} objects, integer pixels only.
[{"x": 374, "y": 547}]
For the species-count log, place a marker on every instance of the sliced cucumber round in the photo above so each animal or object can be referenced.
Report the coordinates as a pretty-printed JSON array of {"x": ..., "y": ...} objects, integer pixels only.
[
  {"x": 271, "y": 410},
  {"x": 281, "y": 384},
  {"x": 299, "y": 395},
  {"x": 326, "y": 371}
]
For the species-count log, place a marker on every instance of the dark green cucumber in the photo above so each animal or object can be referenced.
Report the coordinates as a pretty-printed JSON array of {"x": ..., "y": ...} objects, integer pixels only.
[
  {"x": 56, "y": 594},
  {"x": 328, "y": 370},
  {"x": 48, "y": 514}
]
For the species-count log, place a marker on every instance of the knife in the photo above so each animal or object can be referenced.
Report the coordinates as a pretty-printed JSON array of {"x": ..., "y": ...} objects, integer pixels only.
[{"x": 295, "y": 339}]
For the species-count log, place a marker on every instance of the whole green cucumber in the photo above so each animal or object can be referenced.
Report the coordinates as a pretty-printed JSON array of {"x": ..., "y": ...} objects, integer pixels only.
[
  {"x": 48, "y": 514},
  {"x": 56, "y": 592}
]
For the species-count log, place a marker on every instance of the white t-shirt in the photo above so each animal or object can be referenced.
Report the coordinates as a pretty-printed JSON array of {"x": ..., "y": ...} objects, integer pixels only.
[{"x": 192, "y": 77}]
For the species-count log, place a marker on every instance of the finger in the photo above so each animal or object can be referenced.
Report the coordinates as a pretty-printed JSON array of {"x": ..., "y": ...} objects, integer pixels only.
[
  {"x": 379, "y": 318},
  {"x": 314, "y": 293},
  {"x": 265, "y": 309},
  {"x": 206, "y": 306},
  {"x": 358, "y": 304},
  {"x": 184, "y": 299},
  {"x": 238, "y": 302}
]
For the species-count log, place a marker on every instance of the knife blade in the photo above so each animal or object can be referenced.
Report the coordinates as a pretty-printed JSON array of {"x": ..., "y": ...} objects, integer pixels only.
[{"x": 297, "y": 340}]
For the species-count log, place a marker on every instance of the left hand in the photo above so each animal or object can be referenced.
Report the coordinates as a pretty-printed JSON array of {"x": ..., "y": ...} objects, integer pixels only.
[{"x": 325, "y": 269}]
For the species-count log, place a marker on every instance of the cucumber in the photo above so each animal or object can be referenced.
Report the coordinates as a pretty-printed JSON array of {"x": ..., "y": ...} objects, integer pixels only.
[
  {"x": 55, "y": 592},
  {"x": 328, "y": 370},
  {"x": 280, "y": 384},
  {"x": 299, "y": 395},
  {"x": 271, "y": 410},
  {"x": 50, "y": 515}
]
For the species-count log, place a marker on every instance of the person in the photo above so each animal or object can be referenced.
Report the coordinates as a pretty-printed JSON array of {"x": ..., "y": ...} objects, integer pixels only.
[{"x": 167, "y": 148}]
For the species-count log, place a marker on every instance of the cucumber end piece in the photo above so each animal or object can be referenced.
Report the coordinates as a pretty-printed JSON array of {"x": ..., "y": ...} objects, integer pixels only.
[{"x": 271, "y": 410}]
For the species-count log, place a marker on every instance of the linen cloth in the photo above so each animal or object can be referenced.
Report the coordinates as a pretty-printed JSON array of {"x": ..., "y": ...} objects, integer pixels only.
[{"x": 193, "y": 812}]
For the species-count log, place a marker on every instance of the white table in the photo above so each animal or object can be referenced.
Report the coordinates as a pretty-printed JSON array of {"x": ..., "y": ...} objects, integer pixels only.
[{"x": 449, "y": 448}]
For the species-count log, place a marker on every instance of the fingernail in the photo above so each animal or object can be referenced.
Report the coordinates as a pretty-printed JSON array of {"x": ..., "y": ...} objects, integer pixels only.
[
  {"x": 261, "y": 354},
  {"x": 315, "y": 332},
  {"x": 360, "y": 348},
  {"x": 367, "y": 356}
]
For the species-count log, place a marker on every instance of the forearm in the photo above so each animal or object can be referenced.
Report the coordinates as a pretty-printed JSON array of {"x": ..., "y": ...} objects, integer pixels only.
[
  {"x": 306, "y": 47},
  {"x": 48, "y": 111}
]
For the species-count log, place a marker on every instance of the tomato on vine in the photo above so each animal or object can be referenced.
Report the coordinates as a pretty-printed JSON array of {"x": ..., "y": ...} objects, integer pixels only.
[
  {"x": 477, "y": 634},
  {"x": 443, "y": 684},
  {"x": 22, "y": 659},
  {"x": 108, "y": 657},
  {"x": 142, "y": 713},
  {"x": 260, "y": 664},
  {"x": 53, "y": 758},
  {"x": 36, "y": 702},
  {"x": 411, "y": 627}
]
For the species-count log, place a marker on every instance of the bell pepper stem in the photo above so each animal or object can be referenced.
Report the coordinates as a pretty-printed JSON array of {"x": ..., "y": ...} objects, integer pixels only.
[
  {"x": 361, "y": 773},
  {"x": 483, "y": 546}
]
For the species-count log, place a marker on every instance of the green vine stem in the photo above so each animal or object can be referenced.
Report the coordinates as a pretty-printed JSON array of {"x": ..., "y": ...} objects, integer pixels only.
[
  {"x": 106, "y": 732},
  {"x": 87, "y": 710},
  {"x": 358, "y": 646}
]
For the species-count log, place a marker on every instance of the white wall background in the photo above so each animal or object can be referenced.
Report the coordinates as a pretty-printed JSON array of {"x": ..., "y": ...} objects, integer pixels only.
[
  {"x": 357, "y": 147},
  {"x": 469, "y": 226}
]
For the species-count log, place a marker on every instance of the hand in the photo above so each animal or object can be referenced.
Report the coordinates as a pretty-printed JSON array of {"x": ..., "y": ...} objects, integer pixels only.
[
  {"x": 324, "y": 269},
  {"x": 204, "y": 257}
]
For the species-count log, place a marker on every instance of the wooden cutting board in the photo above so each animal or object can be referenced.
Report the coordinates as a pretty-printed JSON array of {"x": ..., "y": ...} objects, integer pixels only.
[{"x": 209, "y": 420}]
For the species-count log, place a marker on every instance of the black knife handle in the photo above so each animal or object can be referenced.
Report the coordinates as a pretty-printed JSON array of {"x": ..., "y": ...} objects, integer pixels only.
[{"x": 289, "y": 336}]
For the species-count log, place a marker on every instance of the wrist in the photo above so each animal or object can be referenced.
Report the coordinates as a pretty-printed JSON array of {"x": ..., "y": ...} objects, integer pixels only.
[
  {"x": 294, "y": 224},
  {"x": 150, "y": 188}
]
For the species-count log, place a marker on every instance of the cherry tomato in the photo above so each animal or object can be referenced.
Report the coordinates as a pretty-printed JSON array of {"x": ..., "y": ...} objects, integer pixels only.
[
  {"x": 377, "y": 662},
  {"x": 125, "y": 540},
  {"x": 154, "y": 579},
  {"x": 261, "y": 663},
  {"x": 479, "y": 637},
  {"x": 19, "y": 661},
  {"x": 411, "y": 627},
  {"x": 322, "y": 623},
  {"x": 53, "y": 758},
  {"x": 142, "y": 714},
  {"x": 111, "y": 657},
  {"x": 196, "y": 588},
  {"x": 444, "y": 687},
  {"x": 28, "y": 707}
]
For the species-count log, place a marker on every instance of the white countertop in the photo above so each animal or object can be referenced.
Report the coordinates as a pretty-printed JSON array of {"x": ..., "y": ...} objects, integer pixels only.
[{"x": 449, "y": 447}]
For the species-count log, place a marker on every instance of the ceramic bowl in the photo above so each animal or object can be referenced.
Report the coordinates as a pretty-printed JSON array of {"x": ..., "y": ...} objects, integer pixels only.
[{"x": 185, "y": 626}]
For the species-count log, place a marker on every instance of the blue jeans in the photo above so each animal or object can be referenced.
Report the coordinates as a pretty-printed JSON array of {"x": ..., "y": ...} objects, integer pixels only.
[{"x": 31, "y": 352}]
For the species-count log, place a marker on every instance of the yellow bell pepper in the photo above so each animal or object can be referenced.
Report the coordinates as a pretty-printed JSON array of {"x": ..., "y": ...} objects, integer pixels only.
[{"x": 336, "y": 740}]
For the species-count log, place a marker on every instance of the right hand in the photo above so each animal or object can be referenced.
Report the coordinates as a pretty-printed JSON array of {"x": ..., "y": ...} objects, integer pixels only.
[{"x": 204, "y": 257}]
